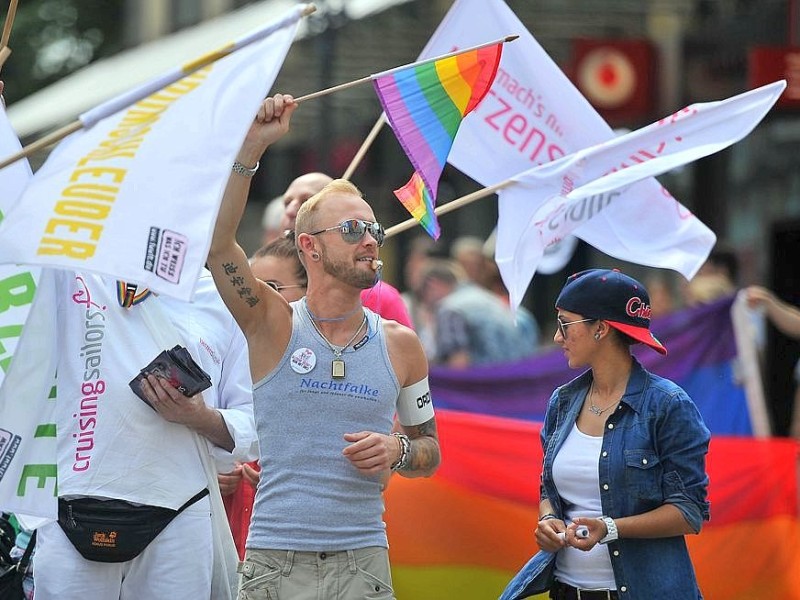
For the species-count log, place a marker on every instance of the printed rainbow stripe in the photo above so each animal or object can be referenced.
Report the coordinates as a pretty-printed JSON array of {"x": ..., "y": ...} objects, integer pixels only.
[{"x": 425, "y": 105}]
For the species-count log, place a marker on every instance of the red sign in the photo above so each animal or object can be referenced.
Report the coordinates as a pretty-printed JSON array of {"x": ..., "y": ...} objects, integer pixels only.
[
  {"x": 616, "y": 76},
  {"x": 771, "y": 63}
]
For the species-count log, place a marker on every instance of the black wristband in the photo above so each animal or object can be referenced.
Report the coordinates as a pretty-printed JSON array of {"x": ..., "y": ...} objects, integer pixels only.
[{"x": 548, "y": 516}]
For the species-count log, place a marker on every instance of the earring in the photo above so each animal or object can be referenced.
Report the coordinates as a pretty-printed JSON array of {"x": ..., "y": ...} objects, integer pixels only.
[
  {"x": 315, "y": 256},
  {"x": 597, "y": 336}
]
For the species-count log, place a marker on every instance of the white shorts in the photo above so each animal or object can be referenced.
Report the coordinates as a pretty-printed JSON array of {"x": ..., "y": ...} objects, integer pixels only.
[{"x": 176, "y": 564}]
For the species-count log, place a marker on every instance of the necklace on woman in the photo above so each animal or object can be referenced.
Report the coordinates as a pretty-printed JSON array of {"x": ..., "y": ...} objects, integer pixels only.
[
  {"x": 596, "y": 410},
  {"x": 337, "y": 365}
]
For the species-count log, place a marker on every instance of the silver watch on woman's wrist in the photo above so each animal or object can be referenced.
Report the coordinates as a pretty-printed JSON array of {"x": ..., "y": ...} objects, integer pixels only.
[{"x": 611, "y": 528}]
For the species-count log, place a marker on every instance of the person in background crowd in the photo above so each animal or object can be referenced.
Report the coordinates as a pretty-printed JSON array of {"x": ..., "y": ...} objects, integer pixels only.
[
  {"x": 715, "y": 279},
  {"x": 420, "y": 250},
  {"x": 467, "y": 252},
  {"x": 472, "y": 325},
  {"x": 624, "y": 475},
  {"x": 785, "y": 318},
  {"x": 271, "y": 221},
  {"x": 661, "y": 286}
]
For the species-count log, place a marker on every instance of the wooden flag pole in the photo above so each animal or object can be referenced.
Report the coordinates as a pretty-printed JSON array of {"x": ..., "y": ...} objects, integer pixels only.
[
  {"x": 349, "y": 84},
  {"x": 12, "y": 11},
  {"x": 364, "y": 147},
  {"x": 443, "y": 209},
  {"x": 41, "y": 143},
  {"x": 5, "y": 51},
  {"x": 76, "y": 125}
]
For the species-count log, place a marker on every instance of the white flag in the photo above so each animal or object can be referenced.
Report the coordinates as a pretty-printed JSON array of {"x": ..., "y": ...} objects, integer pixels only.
[
  {"x": 27, "y": 434},
  {"x": 135, "y": 195},
  {"x": 17, "y": 284},
  {"x": 551, "y": 201},
  {"x": 532, "y": 115}
]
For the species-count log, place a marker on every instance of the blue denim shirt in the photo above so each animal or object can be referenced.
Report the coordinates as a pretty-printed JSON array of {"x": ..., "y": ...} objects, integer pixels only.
[{"x": 653, "y": 453}]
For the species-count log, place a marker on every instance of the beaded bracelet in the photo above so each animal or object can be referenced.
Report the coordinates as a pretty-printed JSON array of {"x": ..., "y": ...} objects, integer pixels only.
[{"x": 405, "y": 451}]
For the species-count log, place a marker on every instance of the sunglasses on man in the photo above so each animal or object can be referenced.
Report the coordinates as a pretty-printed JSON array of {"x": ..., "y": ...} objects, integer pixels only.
[{"x": 353, "y": 230}]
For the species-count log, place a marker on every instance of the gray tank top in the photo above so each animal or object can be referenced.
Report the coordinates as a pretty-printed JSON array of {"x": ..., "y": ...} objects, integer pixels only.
[{"x": 309, "y": 497}]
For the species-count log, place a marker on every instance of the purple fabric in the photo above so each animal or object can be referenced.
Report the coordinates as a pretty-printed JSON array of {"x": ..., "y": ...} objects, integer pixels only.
[{"x": 700, "y": 346}]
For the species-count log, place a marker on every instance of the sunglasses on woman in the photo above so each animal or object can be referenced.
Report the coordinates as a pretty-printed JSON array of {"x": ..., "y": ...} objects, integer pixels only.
[
  {"x": 278, "y": 287},
  {"x": 562, "y": 325},
  {"x": 353, "y": 230}
]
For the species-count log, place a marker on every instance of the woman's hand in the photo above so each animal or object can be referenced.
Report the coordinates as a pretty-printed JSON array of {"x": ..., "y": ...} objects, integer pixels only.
[
  {"x": 547, "y": 534},
  {"x": 597, "y": 531}
]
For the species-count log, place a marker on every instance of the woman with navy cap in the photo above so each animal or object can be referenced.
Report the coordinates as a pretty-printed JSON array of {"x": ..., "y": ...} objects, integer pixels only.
[{"x": 624, "y": 476}]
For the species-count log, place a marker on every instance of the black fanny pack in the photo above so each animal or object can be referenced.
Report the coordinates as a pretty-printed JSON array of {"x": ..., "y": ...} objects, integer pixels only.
[{"x": 114, "y": 530}]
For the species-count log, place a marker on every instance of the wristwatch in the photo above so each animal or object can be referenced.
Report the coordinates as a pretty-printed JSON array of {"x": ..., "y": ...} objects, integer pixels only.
[
  {"x": 244, "y": 171},
  {"x": 611, "y": 527}
]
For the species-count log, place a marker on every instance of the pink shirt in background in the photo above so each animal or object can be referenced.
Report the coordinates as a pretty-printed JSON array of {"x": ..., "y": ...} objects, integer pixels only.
[{"x": 385, "y": 300}]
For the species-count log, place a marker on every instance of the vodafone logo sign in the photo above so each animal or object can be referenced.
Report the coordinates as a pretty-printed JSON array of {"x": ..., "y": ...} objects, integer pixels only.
[
  {"x": 607, "y": 77},
  {"x": 616, "y": 76}
]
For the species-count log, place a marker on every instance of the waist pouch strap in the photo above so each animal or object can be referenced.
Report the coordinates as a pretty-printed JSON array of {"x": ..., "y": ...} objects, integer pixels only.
[{"x": 114, "y": 530}]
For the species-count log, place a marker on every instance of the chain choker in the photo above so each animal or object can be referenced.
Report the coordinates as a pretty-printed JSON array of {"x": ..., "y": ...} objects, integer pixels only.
[{"x": 338, "y": 370}]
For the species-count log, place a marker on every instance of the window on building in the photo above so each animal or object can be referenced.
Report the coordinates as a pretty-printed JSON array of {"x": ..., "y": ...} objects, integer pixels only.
[{"x": 185, "y": 13}]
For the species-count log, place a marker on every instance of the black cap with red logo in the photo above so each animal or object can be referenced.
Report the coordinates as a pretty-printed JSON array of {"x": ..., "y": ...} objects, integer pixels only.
[{"x": 614, "y": 297}]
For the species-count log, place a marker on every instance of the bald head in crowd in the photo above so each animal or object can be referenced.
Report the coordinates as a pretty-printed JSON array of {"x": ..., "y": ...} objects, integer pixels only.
[{"x": 300, "y": 190}]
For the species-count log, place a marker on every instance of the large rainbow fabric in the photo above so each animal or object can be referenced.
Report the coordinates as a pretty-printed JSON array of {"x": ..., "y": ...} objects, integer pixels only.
[
  {"x": 425, "y": 105},
  {"x": 464, "y": 533}
]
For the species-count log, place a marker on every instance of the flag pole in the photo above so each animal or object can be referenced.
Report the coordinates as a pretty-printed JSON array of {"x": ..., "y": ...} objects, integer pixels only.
[
  {"x": 365, "y": 146},
  {"x": 349, "y": 84},
  {"x": 5, "y": 51},
  {"x": 443, "y": 209},
  {"x": 92, "y": 116}
]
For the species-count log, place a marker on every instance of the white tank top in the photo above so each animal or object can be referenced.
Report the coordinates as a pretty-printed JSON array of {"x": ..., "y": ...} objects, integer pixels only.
[{"x": 576, "y": 475}]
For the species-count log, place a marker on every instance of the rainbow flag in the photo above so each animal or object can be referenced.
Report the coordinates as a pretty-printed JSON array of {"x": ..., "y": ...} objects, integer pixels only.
[
  {"x": 425, "y": 103},
  {"x": 463, "y": 534}
]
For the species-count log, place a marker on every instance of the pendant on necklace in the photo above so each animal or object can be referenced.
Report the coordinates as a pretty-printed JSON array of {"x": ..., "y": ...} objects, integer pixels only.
[
  {"x": 593, "y": 409},
  {"x": 337, "y": 368}
]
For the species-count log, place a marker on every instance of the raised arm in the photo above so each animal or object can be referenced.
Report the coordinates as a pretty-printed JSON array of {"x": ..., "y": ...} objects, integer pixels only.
[
  {"x": 261, "y": 312},
  {"x": 783, "y": 315}
]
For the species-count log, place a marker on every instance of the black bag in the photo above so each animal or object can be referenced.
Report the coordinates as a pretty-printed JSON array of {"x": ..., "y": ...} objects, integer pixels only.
[
  {"x": 13, "y": 572},
  {"x": 114, "y": 530}
]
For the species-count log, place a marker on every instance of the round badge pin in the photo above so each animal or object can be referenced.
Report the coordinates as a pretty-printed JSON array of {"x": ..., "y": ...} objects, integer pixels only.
[{"x": 303, "y": 360}]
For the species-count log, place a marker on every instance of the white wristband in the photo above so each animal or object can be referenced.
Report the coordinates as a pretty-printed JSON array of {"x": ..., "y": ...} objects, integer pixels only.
[{"x": 414, "y": 405}]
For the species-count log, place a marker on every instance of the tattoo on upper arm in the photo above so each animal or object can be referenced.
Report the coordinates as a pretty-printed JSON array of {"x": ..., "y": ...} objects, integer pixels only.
[
  {"x": 426, "y": 429},
  {"x": 238, "y": 283}
]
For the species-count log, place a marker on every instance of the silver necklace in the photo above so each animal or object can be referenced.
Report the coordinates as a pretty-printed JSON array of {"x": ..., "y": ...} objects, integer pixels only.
[
  {"x": 337, "y": 364},
  {"x": 596, "y": 410}
]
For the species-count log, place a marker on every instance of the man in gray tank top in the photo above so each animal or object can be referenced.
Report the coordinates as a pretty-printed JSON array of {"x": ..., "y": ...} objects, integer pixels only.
[{"x": 329, "y": 376}]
